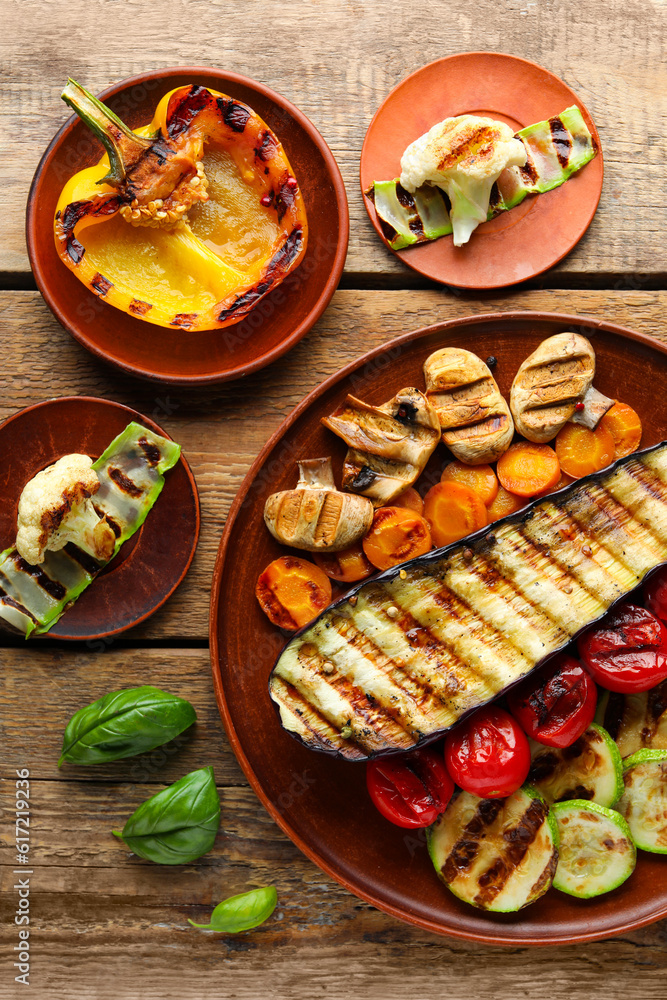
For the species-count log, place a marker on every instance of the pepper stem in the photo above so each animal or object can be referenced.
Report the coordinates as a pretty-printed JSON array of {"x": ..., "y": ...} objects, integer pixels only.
[{"x": 121, "y": 143}]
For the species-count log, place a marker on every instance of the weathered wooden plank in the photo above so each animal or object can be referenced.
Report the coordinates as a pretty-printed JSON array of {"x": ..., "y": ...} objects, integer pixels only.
[
  {"x": 338, "y": 62},
  {"x": 40, "y": 689},
  {"x": 223, "y": 428}
]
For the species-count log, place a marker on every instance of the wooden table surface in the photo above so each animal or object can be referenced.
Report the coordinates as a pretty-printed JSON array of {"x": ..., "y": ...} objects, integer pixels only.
[{"x": 103, "y": 922}]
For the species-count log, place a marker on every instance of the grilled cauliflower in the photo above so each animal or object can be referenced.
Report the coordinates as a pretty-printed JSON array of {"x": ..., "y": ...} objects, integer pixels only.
[
  {"x": 463, "y": 156},
  {"x": 55, "y": 508}
]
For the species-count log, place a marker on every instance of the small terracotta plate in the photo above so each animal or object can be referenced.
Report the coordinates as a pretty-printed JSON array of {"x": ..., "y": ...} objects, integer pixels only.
[
  {"x": 517, "y": 244},
  {"x": 151, "y": 564},
  {"x": 321, "y": 802},
  {"x": 175, "y": 356}
]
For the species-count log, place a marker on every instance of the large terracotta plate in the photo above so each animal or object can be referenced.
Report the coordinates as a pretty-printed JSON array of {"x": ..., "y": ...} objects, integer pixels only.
[
  {"x": 321, "y": 802},
  {"x": 152, "y": 563},
  {"x": 520, "y": 243},
  {"x": 174, "y": 356}
]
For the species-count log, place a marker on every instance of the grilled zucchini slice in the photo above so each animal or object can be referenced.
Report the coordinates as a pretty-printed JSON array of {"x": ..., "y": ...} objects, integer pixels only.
[
  {"x": 644, "y": 802},
  {"x": 590, "y": 769},
  {"x": 636, "y": 720},
  {"x": 596, "y": 852},
  {"x": 498, "y": 854}
]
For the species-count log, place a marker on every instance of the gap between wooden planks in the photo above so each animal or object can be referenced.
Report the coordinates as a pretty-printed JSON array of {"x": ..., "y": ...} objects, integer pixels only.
[{"x": 223, "y": 428}]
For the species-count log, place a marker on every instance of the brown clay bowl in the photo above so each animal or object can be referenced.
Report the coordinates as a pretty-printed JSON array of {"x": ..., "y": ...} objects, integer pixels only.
[
  {"x": 157, "y": 353},
  {"x": 518, "y": 244},
  {"x": 151, "y": 564},
  {"x": 321, "y": 802}
]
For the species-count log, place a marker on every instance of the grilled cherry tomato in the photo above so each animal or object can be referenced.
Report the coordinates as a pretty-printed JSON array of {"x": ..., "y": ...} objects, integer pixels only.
[
  {"x": 488, "y": 754},
  {"x": 655, "y": 594},
  {"x": 556, "y": 705},
  {"x": 410, "y": 791},
  {"x": 627, "y": 651}
]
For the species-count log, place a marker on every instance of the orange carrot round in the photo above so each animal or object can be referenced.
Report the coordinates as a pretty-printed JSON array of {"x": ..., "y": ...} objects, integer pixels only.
[
  {"x": 625, "y": 427},
  {"x": 582, "y": 452},
  {"x": 292, "y": 591},
  {"x": 396, "y": 534},
  {"x": 453, "y": 511},
  {"x": 480, "y": 478},
  {"x": 346, "y": 566},
  {"x": 528, "y": 469},
  {"x": 409, "y": 500},
  {"x": 505, "y": 503}
]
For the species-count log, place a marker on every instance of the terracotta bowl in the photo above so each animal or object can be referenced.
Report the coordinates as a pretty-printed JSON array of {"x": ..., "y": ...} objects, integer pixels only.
[
  {"x": 173, "y": 356},
  {"x": 151, "y": 564},
  {"x": 518, "y": 244},
  {"x": 321, "y": 802}
]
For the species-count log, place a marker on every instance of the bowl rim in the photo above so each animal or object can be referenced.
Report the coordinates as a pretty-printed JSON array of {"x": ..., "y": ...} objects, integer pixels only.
[
  {"x": 406, "y": 258},
  {"x": 333, "y": 170},
  {"x": 494, "y": 937},
  {"x": 152, "y": 425}
]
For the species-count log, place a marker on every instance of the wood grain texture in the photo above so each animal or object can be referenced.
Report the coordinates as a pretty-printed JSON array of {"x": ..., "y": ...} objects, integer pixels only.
[
  {"x": 337, "y": 61},
  {"x": 222, "y": 429}
]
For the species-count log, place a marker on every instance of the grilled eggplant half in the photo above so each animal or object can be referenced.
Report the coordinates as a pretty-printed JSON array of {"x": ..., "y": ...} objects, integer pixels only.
[{"x": 403, "y": 657}]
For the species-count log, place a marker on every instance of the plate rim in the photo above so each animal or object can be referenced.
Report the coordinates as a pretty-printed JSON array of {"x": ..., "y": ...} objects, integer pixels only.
[
  {"x": 152, "y": 425},
  {"x": 495, "y": 937},
  {"x": 32, "y": 235},
  {"x": 405, "y": 258}
]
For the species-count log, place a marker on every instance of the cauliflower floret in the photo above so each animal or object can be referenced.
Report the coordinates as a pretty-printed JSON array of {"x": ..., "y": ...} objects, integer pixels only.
[
  {"x": 464, "y": 156},
  {"x": 55, "y": 508}
]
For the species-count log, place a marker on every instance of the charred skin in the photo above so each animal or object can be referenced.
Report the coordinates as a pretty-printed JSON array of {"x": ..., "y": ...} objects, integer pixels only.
[{"x": 403, "y": 657}]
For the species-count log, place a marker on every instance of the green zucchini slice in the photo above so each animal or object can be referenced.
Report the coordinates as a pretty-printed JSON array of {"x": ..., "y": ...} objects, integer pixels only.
[
  {"x": 596, "y": 852},
  {"x": 589, "y": 769},
  {"x": 637, "y": 720},
  {"x": 497, "y": 854},
  {"x": 644, "y": 802}
]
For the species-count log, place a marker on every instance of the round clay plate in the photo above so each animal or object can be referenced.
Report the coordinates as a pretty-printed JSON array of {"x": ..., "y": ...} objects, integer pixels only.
[
  {"x": 152, "y": 563},
  {"x": 517, "y": 244},
  {"x": 159, "y": 353},
  {"x": 321, "y": 802}
]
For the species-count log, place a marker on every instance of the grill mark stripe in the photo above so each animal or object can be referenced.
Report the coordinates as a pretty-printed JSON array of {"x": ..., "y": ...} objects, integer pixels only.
[
  {"x": 323, "y": 731},
  {"x": 12, "y": 603},
  {"x": 630, "y": 541},
  {"x": 54, "y": 589},
  {"x": 465, "y": 850},
  {"x": 518, "y": 838}
]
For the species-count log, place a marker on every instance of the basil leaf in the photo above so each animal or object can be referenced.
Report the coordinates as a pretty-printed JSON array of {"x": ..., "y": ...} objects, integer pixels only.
[
  {"x": 179, "y": 823},
  {"x": 124, "y": 723},
  {"x": 243, "y": 912}
]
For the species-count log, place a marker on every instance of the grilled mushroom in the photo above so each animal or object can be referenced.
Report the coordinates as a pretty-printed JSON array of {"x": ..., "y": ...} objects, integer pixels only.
[
  {"x": 551, "y": 384},
  {"x": 315, "y": 516},
  {"x": 475, "y": 419},
  {"x": 389, "y": 445}
]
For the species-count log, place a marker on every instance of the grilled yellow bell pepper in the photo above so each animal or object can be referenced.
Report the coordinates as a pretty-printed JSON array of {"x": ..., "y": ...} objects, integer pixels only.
[{"x": 187, "y": 222}]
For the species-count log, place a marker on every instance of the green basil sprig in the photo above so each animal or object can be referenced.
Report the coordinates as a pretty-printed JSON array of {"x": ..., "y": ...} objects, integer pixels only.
[
  {"x": 124, "y": 723},
  {"x": 178, "y": 824},
  {"x": 243, "y": 912}
]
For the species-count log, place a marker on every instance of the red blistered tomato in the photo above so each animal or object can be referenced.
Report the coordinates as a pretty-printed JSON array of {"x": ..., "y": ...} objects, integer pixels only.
[
  {"x": 655, "y": 594},
  {"x": 410, "y": 791},
  {"x": 488, "y": 754},
  {"x": 556, "y": 705},
  {"x": 627, "y": 651}
]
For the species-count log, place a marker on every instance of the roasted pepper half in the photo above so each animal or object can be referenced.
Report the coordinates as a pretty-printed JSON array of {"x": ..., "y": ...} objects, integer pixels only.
[{"x": 186, "y": 222}]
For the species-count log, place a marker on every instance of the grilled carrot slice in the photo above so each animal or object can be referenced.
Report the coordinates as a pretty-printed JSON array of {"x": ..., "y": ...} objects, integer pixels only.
[
  {"x": 453, "y": 510},
  {"x": 505, "y": 503},
  {"x": 625, "y": 427},
  {"x": 528, "y": 469},
  {"x": 396, "y": 535},
  {"x": 346, "y": 566},
  {"x": 582, "y": 452},
  {"x": 481, "y": 479},
  {"x": 410, "y": 500},
  {"x": 292, "y": 591}
]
